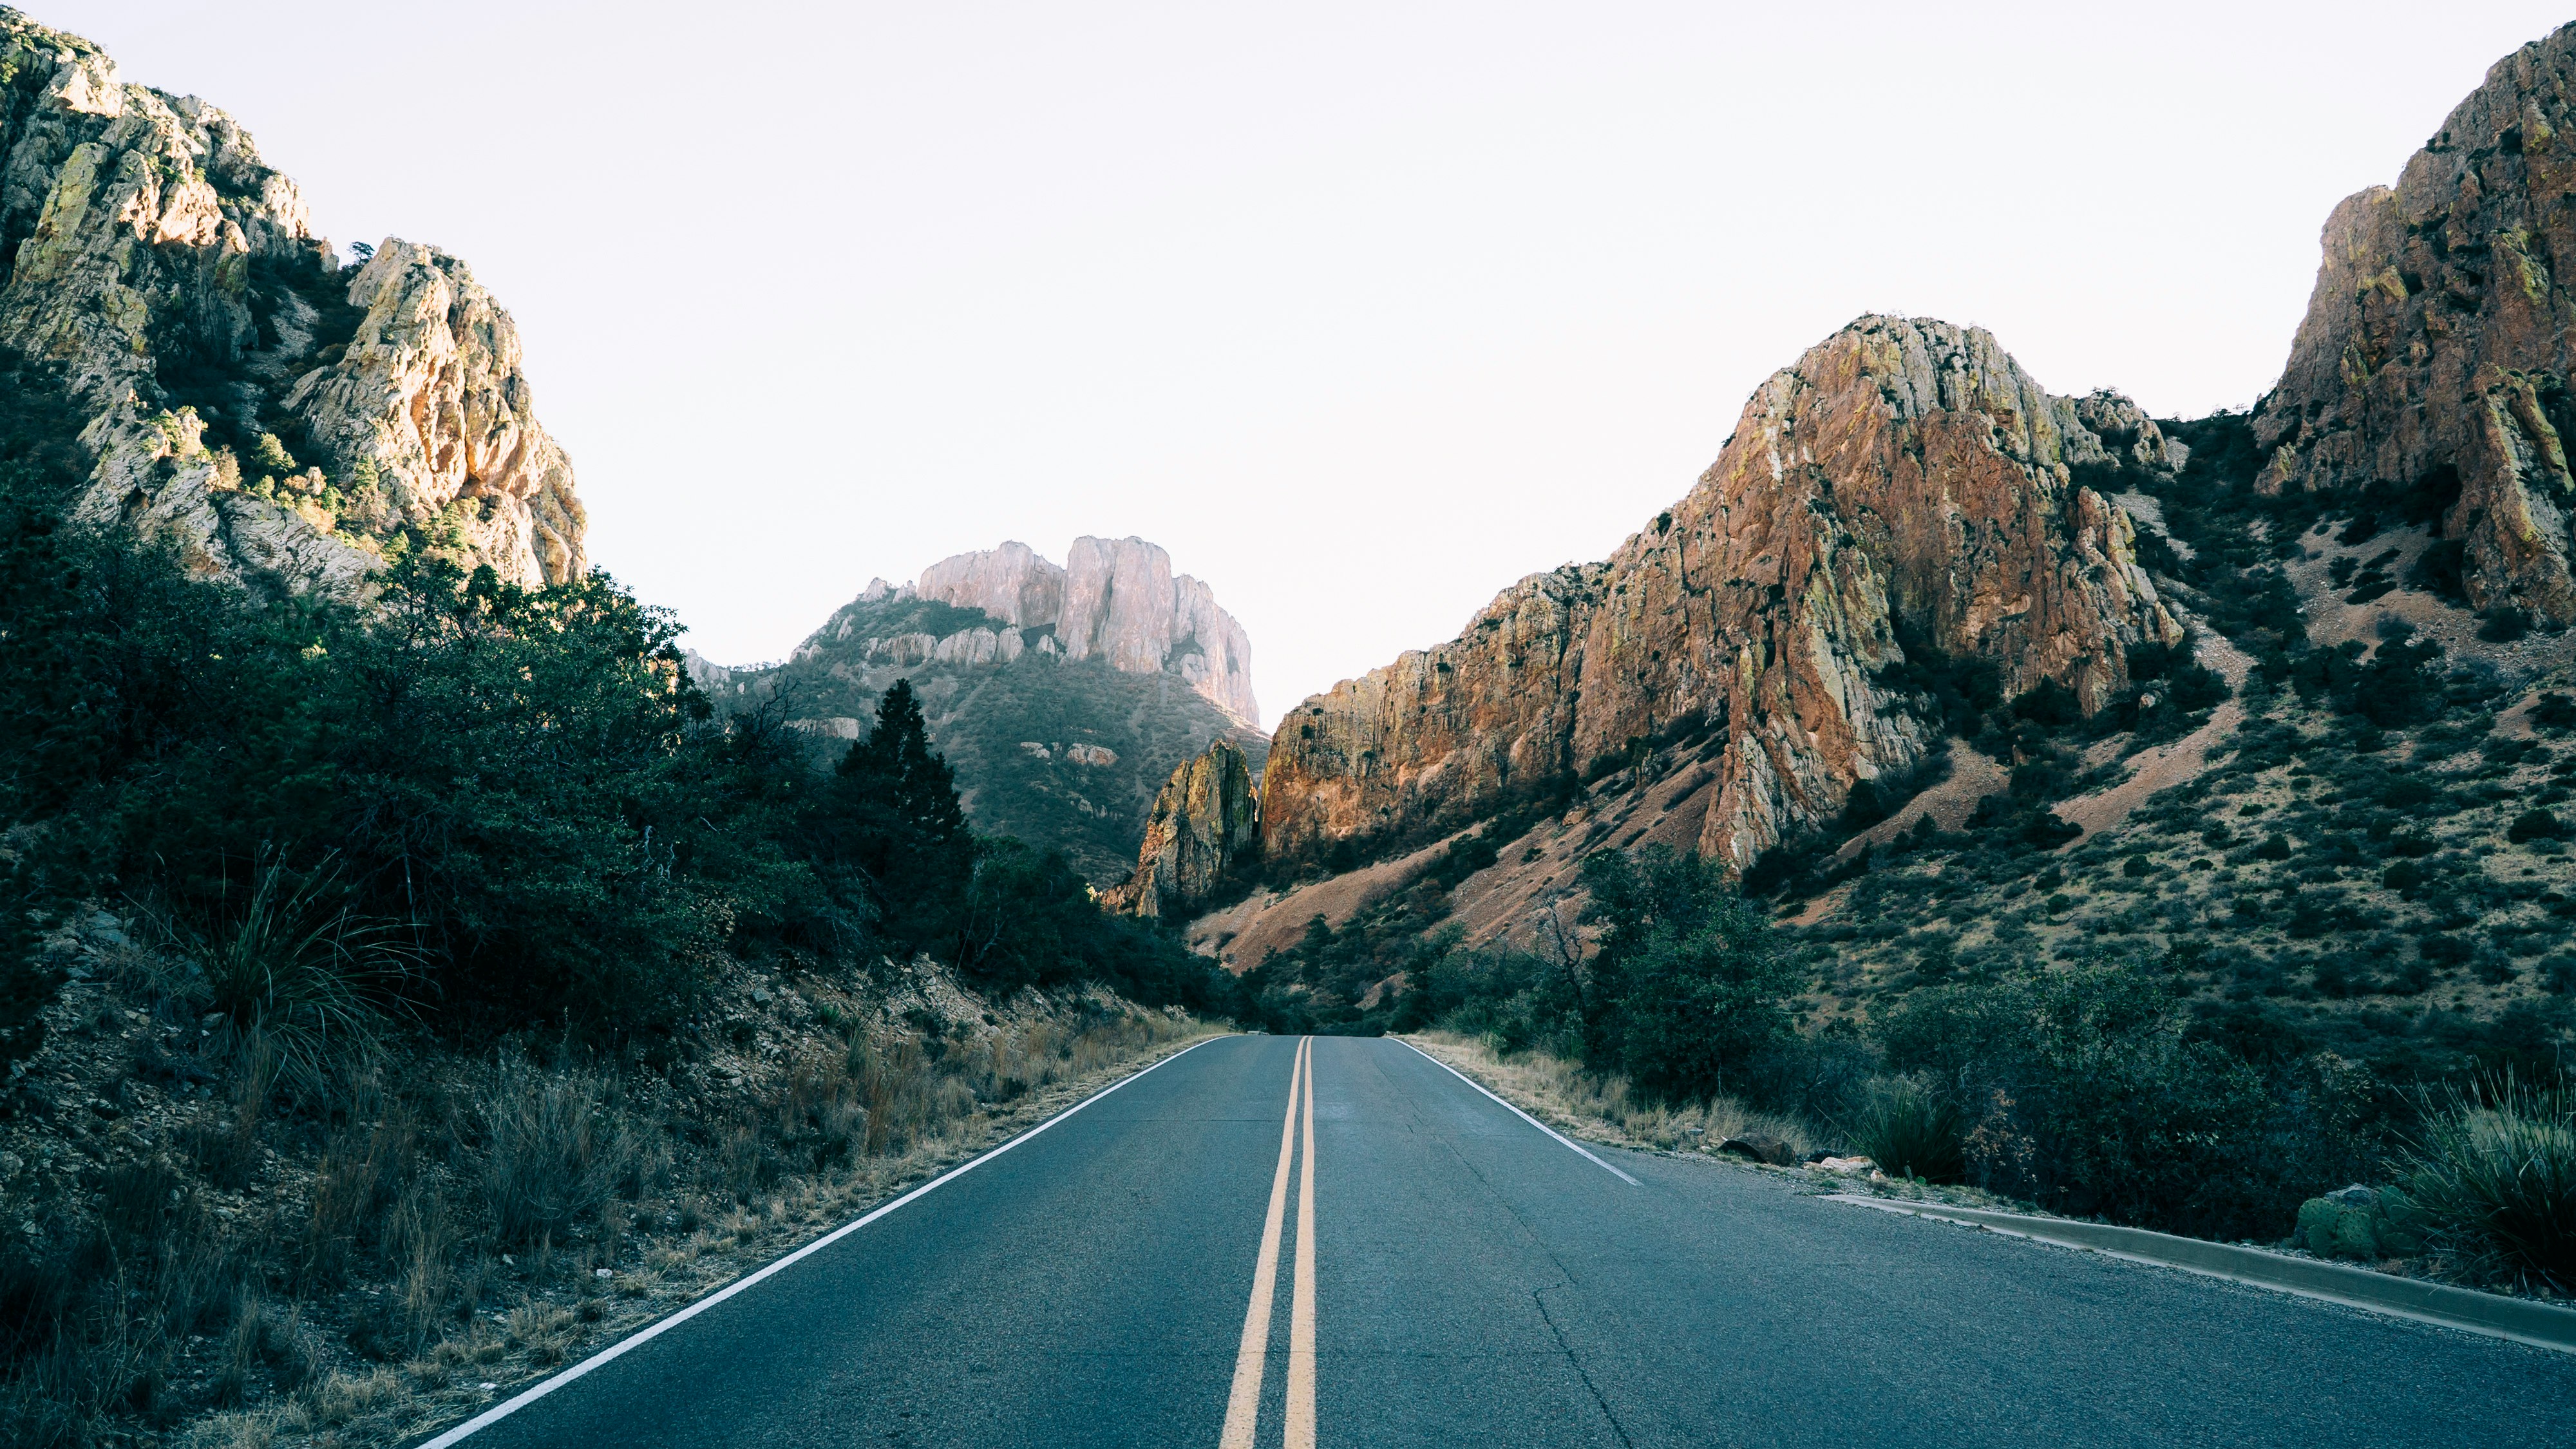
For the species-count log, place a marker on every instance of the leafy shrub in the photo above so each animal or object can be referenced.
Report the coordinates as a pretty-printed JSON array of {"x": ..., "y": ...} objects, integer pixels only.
[
  {"x": 2394, "y": 687},
  {"x": 2491, "y": 1176},
  {"x": 2505, "y": 625},
  {"x": 1026, "y": 917},
  {"x": 2084, "y": 1090},
  {"x": 1961, "y": 690},
  {"x": 1514, "y": 1000},
  {"x": 2441, "y": 570},
  {"x": 1467, "y": 855},
  {"x": 2533, "y": 825}
]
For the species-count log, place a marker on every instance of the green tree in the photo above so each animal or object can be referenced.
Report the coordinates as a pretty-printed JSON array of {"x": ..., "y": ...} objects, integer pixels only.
[
  {"x": 2087, "y": 1092},
  {"x": 891, "y": 817},
  {"x": 1690, "y": 984}
]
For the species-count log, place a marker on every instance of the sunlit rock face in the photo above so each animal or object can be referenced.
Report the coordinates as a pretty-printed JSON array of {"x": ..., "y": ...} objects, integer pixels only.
[
  {"x": 2437, "y": 347},
  {"x": 271, "y": 409},
  {"x": 1905, "y": 474},
  {"x": 1113, "y": 599},
  {"x": 1205, "y": 828}
]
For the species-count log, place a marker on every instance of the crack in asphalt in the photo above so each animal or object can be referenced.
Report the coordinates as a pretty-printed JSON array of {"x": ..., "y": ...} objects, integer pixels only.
[
  {"x": 1565, "y": 1279},
  {"x": 1539, "y": 1297}
]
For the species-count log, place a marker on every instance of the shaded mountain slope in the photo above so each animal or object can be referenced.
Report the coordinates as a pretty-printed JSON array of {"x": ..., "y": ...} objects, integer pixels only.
[{"x": 1055, "y": 747}]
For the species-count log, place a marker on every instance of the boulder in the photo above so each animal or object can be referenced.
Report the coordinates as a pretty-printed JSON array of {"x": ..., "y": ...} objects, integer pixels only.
[
  {"x": 1845, "y": 1166},
  {"x": 1761, "y": 1148}
]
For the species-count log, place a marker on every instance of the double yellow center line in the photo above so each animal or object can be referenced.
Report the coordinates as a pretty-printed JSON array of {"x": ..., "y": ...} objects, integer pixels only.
[{"x": 1243, "y": 1404}]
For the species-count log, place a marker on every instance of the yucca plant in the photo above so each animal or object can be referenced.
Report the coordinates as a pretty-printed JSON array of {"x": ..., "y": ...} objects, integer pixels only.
[
  {"x": 298, "y": 974},
  {"x": 1910, "y": 1130},
  {"x": 2492, "y": 1178}
]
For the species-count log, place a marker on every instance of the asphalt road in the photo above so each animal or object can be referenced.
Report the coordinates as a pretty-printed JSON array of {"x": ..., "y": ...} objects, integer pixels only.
[{"x": 1470, "y": 1281}]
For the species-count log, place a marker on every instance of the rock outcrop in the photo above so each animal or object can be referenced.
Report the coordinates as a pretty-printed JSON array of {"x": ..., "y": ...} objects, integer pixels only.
[
  {"x": 1205, "y": 829},
  {"x": 1114, "y": 599},
  {"x": 2437, "y": 347},
  {"x": 1905, "y": 476},
  {"x": 274, "y": 410}
]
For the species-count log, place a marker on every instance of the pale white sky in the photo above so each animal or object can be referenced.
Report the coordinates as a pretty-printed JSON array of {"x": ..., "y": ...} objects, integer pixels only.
[{"x": 1361, "y": 310}]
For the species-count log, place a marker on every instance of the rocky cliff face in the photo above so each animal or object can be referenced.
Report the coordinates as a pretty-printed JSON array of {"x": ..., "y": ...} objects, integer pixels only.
[
  {"x": 1114, "y": 599},
  {"x": 1906, "y": 476},
  {"x": 2437, "y": 346},
  {"x": 273, "y": 409},
  {"x": 1204, "y": 829}
]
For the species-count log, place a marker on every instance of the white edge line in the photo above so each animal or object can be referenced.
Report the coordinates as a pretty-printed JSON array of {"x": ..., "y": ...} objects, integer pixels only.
[
  {"x": 1515, "y": 1111},
  {"x": 2456, "y": 1325},
  {"x": 656, "y": 1329}
]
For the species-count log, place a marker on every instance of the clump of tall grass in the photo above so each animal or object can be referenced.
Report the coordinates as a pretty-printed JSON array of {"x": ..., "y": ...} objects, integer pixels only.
[
  {"x": 2491, "y": 1177},
  {"x": 1909, "y": 1130},
  {"x": 299, "y": 975},
  {"x": 554, "y": 1151}
]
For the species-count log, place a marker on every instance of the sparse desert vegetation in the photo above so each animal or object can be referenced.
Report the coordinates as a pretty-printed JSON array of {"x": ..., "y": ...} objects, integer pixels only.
[{"x": 211, "y": 1255}]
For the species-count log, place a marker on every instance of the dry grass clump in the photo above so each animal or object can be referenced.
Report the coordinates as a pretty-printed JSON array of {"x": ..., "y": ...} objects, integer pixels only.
[
  {"x": 1604, "y": 1106},
  {"x": 554, "y": 1149}
]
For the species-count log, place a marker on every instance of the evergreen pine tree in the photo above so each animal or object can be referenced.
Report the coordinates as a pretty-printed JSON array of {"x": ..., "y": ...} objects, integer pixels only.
[{"x": 897, "y": 821}]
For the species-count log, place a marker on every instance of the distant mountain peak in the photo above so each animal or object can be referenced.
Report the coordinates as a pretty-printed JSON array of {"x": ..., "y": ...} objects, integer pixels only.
[{"x": 1113, "y": 599}]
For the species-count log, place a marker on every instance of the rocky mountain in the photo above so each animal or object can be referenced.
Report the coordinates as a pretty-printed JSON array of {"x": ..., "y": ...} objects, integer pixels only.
[
  {"x": 1905, "y": 490},
  {"x": 1114, "y": 599},
  {"x": 2435, "y": 355},
  {"x": 1962, "y": 677},
  {"x": 1064, "y": 696},
  {"x": 273, "y": 409}
]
